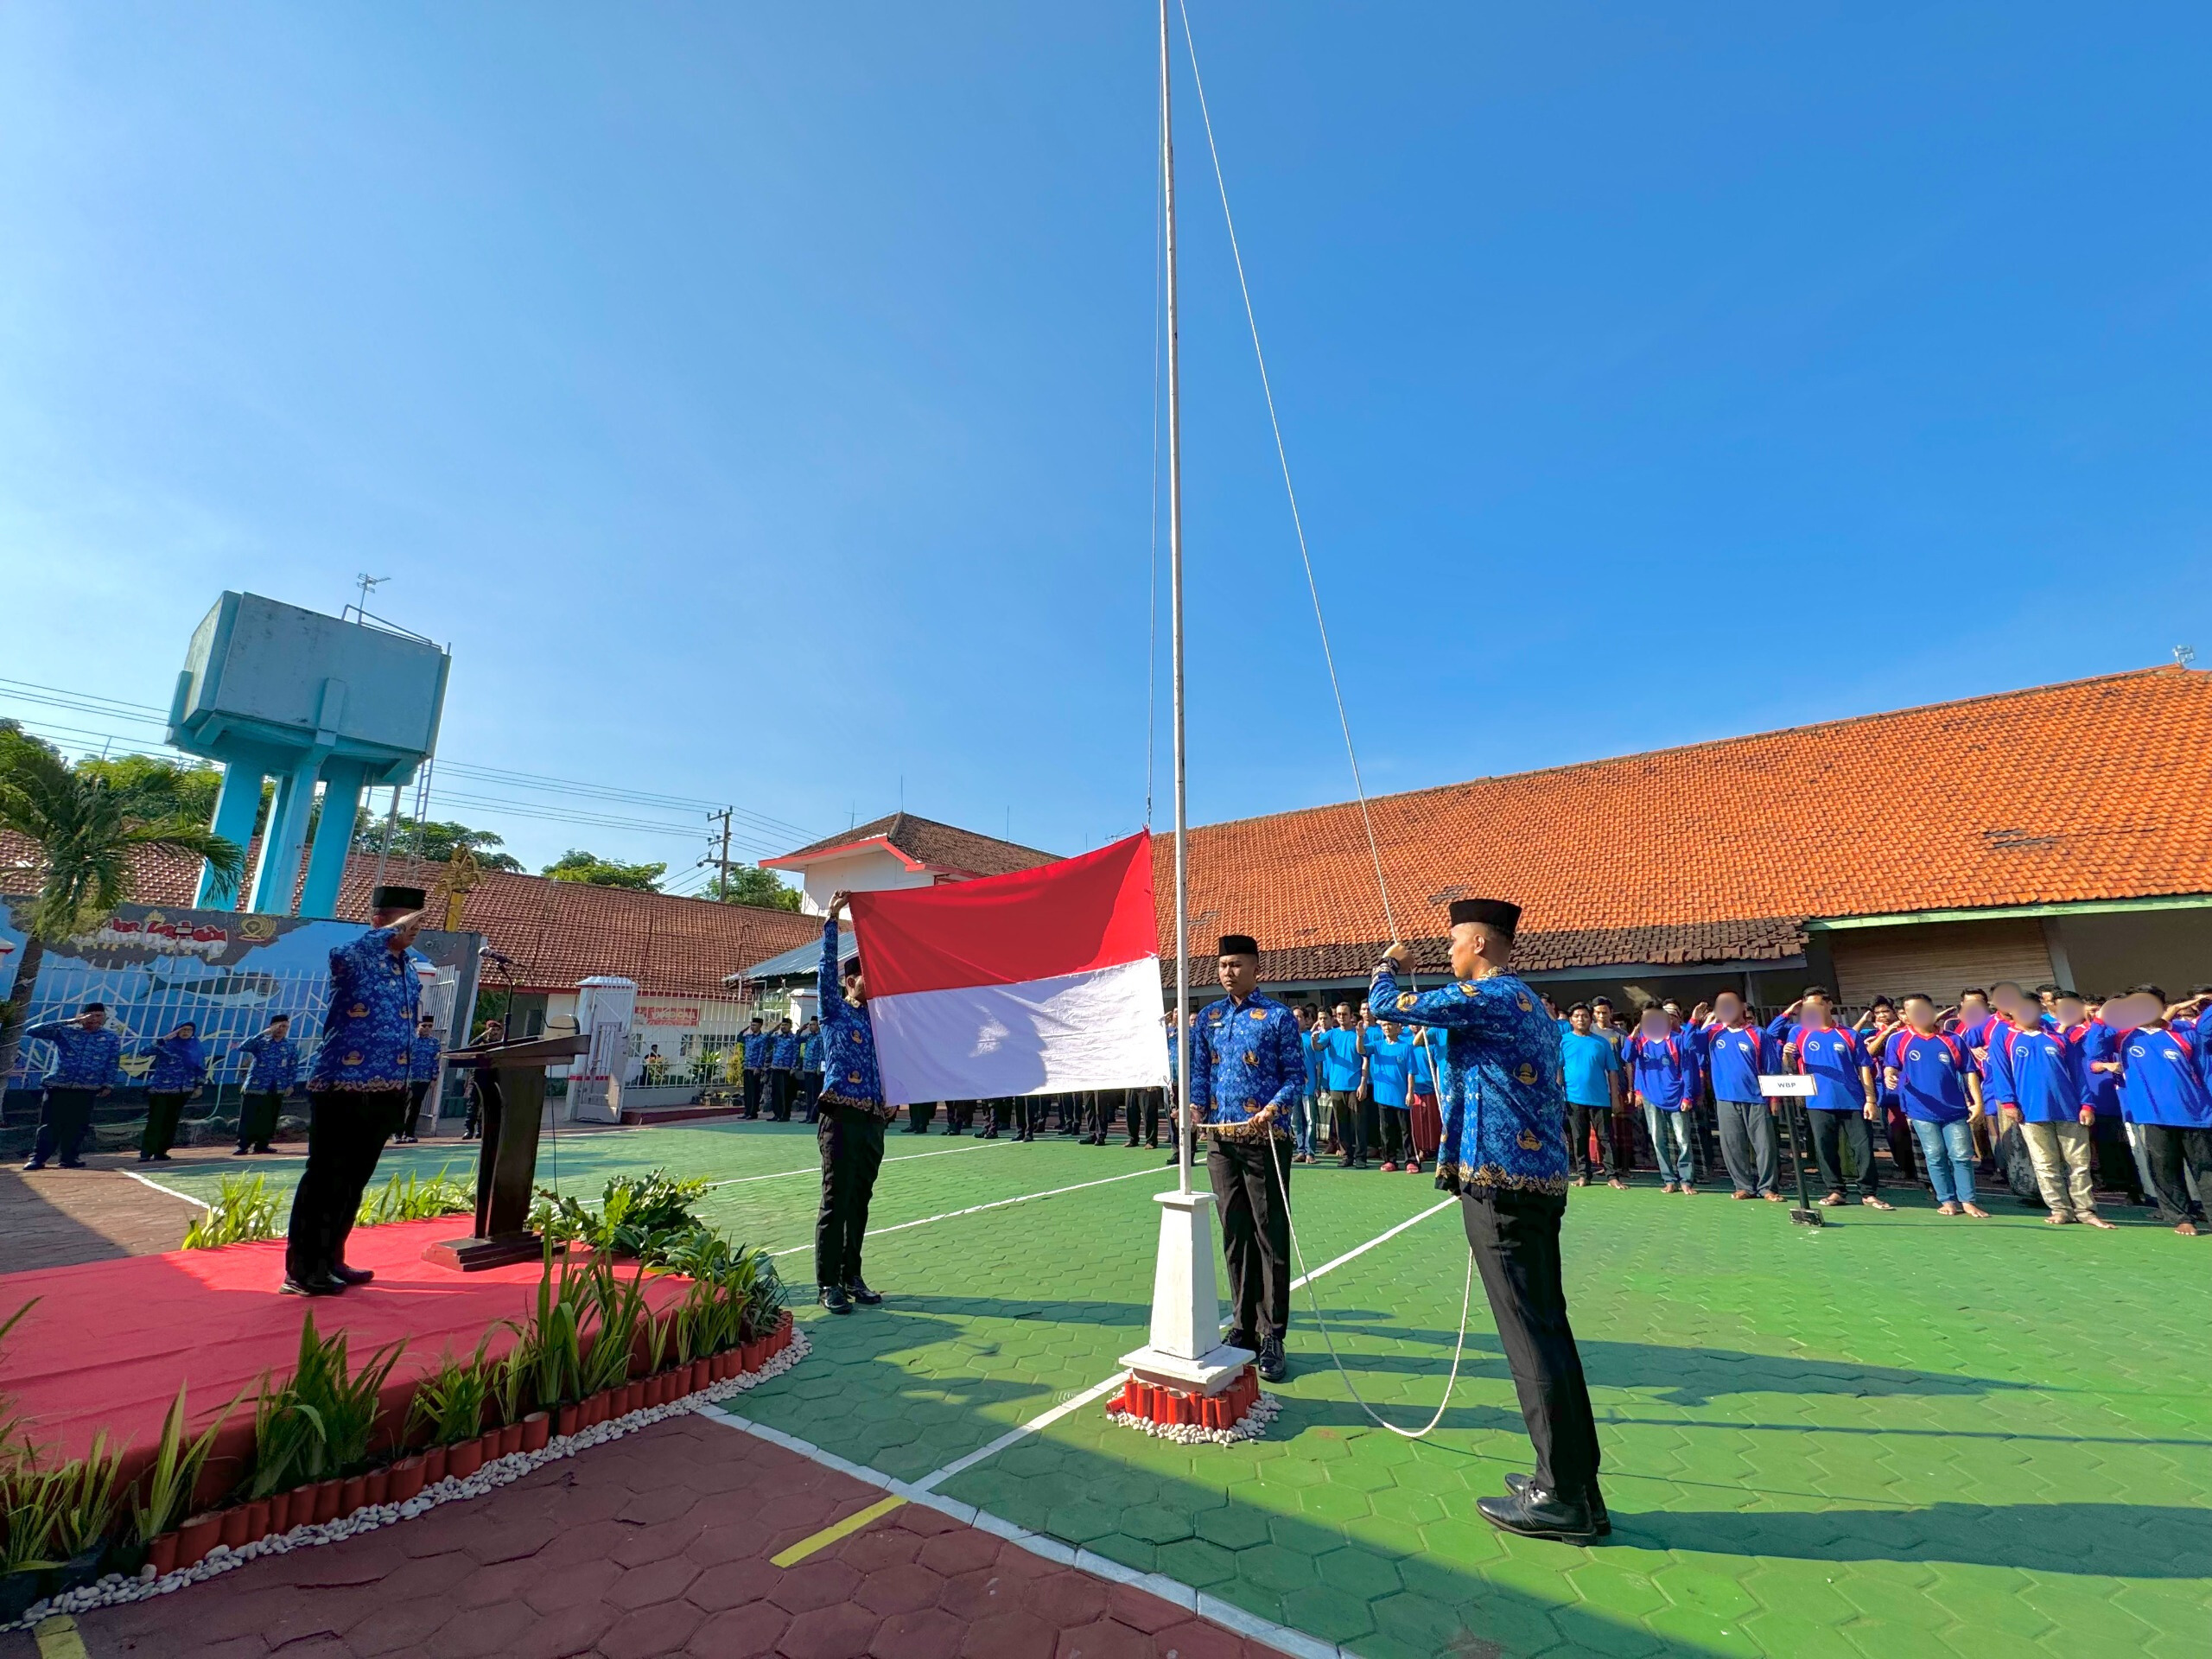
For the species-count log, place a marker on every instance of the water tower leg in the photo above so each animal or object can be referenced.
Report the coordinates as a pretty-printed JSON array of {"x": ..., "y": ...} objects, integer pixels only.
[
  {"x": 342, "y": 782},
  {"x": 278, "y": 876},
  {"x": 237, "y": 803}
]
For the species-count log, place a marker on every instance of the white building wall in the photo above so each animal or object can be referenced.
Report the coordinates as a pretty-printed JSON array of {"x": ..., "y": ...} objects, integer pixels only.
[{"x": 869, "y": 870}]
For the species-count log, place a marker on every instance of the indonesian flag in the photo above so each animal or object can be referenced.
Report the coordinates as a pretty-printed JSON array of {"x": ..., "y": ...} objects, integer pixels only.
[{"x": 1037, "y": 982}]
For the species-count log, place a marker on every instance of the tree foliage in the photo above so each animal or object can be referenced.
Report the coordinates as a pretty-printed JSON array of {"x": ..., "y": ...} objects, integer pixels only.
[
  {"x": 576, "y": 865},
  {"x": 749, "y": 884},
  {"x": 433, "y": 839}
]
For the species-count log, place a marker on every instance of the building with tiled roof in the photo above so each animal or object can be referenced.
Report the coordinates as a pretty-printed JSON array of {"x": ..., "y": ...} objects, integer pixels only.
[
  {"x": 898, "y": 851},
  {"x": 2058, "y": 834}
]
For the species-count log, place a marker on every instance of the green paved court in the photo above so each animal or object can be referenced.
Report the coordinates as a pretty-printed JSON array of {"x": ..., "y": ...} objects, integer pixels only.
[{"x": 1902, "y": 1435}]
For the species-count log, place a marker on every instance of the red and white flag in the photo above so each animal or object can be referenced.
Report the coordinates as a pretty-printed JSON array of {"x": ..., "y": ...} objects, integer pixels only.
[{"x": 1037, "y": 982}]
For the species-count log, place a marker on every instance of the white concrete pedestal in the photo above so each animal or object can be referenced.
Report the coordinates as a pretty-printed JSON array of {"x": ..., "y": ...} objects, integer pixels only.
[{"x": 1186, "y": 1350}]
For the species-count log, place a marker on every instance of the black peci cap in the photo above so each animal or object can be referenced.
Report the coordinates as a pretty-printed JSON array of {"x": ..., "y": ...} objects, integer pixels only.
[
  {"x": 1492, "y": 913},
  {"x": 1237, "y": 945},
  {"x": 853, "y": 968},
  {"x": 397, "y": 898}
]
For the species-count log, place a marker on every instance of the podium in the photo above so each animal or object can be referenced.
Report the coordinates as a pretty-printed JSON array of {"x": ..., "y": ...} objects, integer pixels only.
[{"x": 510, "y": 1083}]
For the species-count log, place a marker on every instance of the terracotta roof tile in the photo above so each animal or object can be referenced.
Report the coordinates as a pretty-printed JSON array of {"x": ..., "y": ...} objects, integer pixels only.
[
  {"x": 1718, "y": 851},
  {"x": 941, "y": 846}
]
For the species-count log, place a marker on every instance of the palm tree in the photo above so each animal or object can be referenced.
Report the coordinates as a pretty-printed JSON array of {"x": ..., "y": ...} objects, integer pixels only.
[{"x": 84, "y": 832}]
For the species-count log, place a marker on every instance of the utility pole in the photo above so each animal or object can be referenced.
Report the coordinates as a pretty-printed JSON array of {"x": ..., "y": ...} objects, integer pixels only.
[{"x": 721, "y": 864}]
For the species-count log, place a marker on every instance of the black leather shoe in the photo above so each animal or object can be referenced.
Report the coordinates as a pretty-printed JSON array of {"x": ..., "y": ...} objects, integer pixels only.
[
  {"x": 34, "y": 1164},
  {"x": 1273, "y": 1368},
  {"x": 312, "y": 1285},
  {"x": 346, "y": 1275},
  {"x": 1601, "y": 1522},
  {"x": 859, "y": 1292},
  {"x": 834, "y": 1299},
  {"x": 1534, "y": 1513}
]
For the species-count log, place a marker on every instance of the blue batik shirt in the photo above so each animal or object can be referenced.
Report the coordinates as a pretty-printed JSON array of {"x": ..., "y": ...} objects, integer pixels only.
[
  {"x": 783, "y": 1052},
  {"x": 423, "y": 1055},
  {"x": 179, "y": 1065},
  {"x": 1245, "y": 1057},
  {"x": 368, "y": 1036},
  {"x": 276, "y": 1062},
  {"x": 1504, "y": 1100},
  {"x": 756, "y": 1050},
  {"x": 850, "y": 1077},
  {"x": 810, "y": 1051},
  {"x": 82, "y": 1059}
]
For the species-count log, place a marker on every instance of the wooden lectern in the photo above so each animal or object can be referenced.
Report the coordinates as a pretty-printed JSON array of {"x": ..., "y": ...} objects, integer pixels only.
[{"x": 510, "y": 1083}]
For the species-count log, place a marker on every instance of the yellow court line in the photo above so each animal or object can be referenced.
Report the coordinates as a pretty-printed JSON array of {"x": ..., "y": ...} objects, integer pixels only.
[
  {"x": 58, "y": 1638},
  {"x": 829, "y": 1535}
]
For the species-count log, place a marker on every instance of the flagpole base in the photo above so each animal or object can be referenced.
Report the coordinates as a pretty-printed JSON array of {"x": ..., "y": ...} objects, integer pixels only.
[{"x": 1235, "y": 1410}]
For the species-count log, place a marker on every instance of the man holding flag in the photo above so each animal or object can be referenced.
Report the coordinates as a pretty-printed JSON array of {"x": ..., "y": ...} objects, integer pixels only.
[
  {"x": 850, "y": 1126},
  {"x": 1247, "y": 1068},
  {"x": 1504, "y": 1154}
]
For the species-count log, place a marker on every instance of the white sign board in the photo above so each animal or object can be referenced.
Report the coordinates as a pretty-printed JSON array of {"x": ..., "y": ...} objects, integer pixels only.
[{"x": 1773, "y": 1088}]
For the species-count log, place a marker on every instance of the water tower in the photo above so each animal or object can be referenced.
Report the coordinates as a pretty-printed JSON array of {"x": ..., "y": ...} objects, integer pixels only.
[{"x": 270, "y": 690}]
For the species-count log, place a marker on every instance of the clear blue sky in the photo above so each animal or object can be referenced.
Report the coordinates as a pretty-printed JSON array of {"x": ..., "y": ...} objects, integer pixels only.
[{"x": 759, "y": 397}]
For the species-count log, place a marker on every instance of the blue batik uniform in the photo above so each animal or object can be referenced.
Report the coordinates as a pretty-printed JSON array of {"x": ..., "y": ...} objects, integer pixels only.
[
  {"x": 179, "y": 1065},
  {"x": 1504, "y": 1100},
  {"x": 850, "y": 1078},
  {"x": 1245, "y": 1057},
  {"x": 756, "y": 1046},
  {"x": 810, "y": 1051},
  {"x": 82, "y": 1059},
  {"x": 368, "y": 1036},
  {"x": 423, "y": 1055},
  {"x": 276, "y": 1062},
  {"x": 783, "y": 1050}
]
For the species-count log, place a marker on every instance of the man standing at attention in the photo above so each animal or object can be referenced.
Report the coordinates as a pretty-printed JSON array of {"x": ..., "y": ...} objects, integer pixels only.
[
  {"x": 1504, "y": 1154},
  {"x": 848, "y": 1127},
  {"x": 1343, "y": 1069},
  {"x": 1247, "y": 1070},
  {"x": 1845, "y": 1104},
  {"x": 783, "y": 1070},
  {"x": 356, "y": 1088},
  {"x": 424, "y": 1055},
  {"x": 87, "y": 1063},
  {"x": 1593, "y": 1068},
  {"x": 754, "y": 1046},
  {"x": 1736, "y": 1054}
]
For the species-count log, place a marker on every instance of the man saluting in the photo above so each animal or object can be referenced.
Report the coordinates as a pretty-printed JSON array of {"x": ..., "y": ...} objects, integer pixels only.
[
  {"x": 1247, "y": 1069},
  {"x": 1504, "y": 1154}
]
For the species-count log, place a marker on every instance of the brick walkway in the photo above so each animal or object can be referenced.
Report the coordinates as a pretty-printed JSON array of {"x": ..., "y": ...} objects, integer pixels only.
[
  {"x": 57, "y": 1218},
  {"x": 657, "y": 1544}
]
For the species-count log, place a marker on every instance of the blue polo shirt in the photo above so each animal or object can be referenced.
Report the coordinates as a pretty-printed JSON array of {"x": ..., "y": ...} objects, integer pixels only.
[
  {"x": 1734, "y": 1058},
  {"x": 1589, "y": 1059},
  {"x": 1339, "y": 1059},
  {"x": 1832, "y": 1058},
  {"x": 1662, "y": 1069},
  {"x": 2098, "y": 1041},
  {"x": 2038, "y": 1072},
  {"x": 2160, "y": 1082},
  {"x": 1932, "y": 1073}
]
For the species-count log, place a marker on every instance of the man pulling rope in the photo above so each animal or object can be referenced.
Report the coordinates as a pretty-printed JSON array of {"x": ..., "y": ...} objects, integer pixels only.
[{"x": 1503, "y": 1104}]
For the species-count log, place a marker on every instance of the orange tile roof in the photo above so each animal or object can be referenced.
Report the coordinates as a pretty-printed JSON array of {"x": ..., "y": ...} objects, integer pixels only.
[
  {"x": 2089, "y": 790},
  {"x": 923, "y": 841},
  {"x": 557, "y": 933}
]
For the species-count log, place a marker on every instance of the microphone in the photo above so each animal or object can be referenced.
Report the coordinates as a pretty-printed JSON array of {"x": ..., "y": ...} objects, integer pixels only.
[{"x": 490, "y": 955}]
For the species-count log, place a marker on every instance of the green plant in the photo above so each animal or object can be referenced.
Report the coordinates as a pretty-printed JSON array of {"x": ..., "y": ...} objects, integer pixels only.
[
  {"x": 88, "y": 1498},
  {"x": 289, "y": 1445},
  {"x": 412, "y": 1198},
  {"x": 448, "y": 1405},
  {"x": 550, "y": 1346},
  {"x": 345, "y": 1401},
  {"x": 244, "y": 1209},
  {"x": 620, "y": 1308},
  {"x": 176, "y": 1468},
  {"x": 648, "y": 1217},
  {"x": 33, "y": 1504},
  {"x": 13, "y": 1443}
]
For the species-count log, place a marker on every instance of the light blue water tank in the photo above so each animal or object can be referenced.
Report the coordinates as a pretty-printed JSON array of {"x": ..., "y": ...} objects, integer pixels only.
[{"x": 269, "y": 690}]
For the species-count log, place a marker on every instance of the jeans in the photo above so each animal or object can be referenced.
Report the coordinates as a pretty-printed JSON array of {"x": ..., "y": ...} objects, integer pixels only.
[
  {"x": 1304, "y": 1120},
  {"x": 1672, "y": 1134},
  {"x": 1948, "y": 1151}
]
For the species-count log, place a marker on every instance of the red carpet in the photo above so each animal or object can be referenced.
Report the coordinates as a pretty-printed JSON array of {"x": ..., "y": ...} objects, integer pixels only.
[{"x": 109, "y": 1341}]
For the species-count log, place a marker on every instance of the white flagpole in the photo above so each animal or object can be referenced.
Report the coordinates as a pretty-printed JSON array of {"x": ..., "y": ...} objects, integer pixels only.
[{"x": 1184, "y": 1127}]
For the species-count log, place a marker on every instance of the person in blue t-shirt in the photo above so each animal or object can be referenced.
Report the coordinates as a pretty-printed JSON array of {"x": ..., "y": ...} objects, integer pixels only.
[
  {"x": 1592, "y": 1065},
  {"x": 1844, "y": 1103},
  {"x": 1934, "y": 1074},
  {"x": 1389, "y": 1058},
  {"x": 1344, "y": 1069},
  {"x": 1737, "y": 1054},
  {"x": 1663, "y": 1078},
  {"x": 2163, "y": 1089},
  {"x": 1305, "y": 1121}
]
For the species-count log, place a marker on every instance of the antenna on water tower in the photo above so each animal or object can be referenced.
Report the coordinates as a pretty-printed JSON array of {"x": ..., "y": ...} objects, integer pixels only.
[
  {"x": 2184, "y": 655},
  {"x": 368, "y": 584}
]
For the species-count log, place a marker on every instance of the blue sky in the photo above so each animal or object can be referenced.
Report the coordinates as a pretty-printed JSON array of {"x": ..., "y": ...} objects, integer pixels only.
[{"x": 759, "y": 399}]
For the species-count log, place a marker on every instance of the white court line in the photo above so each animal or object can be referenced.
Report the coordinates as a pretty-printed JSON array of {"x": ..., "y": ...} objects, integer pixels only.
[
  {"x": 170, "y": 1190},
  {"x": 978, "y": 1209},
  {"x": 1212, "y": 1609},
  {"x": 903, "y": 1158},
  {"x": 1362, "y": 1250}
]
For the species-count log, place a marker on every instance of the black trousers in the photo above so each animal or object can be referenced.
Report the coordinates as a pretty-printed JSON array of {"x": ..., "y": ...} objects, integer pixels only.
[
  {"x": 1144, "y": 1103},
  {"x": 1832, "y": 1131},
  {"x": 1581, "y": 1121},
  {"x": 1397, "y": 1134},
  {"x": 417, "y": 1092},
  {"x": 257, "y": 1115},
  {"x": 2166, "y": 1150},
  {"x": 2114, "y": 1158},
  {"x": 347, "y": 1129},
  {"x": 779, "y": 1093},
  {"x": 851, "y": 1142},
  {"x": 1254, "y": 1229},
  {"x": 919, "y": 1115},
  {"x": 959, "y": 1116},
  {"x": 1101, "y": 1115},
  {"x": 1515, "y": 1236},
  {"x": 752, "y": 1086},
  {"x": 810, "y": 1094},
  {"x": 1351, "y": 1125},
  {"x": 162, "y": 1113},
  {"x": 65, "y": 1118}
]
